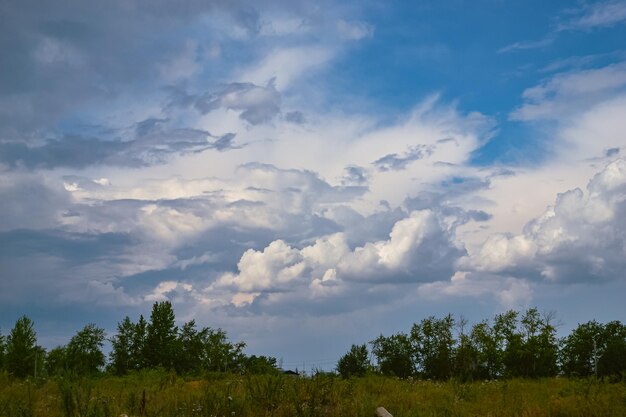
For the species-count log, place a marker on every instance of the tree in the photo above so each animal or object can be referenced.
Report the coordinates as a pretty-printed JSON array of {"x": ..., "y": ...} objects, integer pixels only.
[
  {"x": 138, "y": 345},
  {"x": 578, "y": 350},
  {"x": 487, "y": 343},
  {"x": 465, "y": 363},
  {"x": 546, "y": 348},
  {"x": 121, "y": 355},
  {"x": 2, "y": 349},
  {"x": 84, "y": 351},
  {"x": 612, "y": 360},
  {"x": 433, "y": 345},
  {"x": 394, "y": 355},
  {"x": 161, "y": 337},
  {"x": 220, "y": 355},
  {"x": 190, "y": 347},
  {"x": 56, "y": 361},
  {"x": 531, "y": 350},
  {"x": 21, "y": 350},
  {"x": 260, "y": 365},
  {"x": 354, "y": 363}
]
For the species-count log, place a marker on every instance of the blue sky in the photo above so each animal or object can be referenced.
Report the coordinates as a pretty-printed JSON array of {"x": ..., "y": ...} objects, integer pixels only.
[{"x": 310, "y": 175}]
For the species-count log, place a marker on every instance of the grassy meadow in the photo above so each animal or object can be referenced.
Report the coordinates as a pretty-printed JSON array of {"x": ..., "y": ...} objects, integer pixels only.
[{"x": 157, "y": 393}]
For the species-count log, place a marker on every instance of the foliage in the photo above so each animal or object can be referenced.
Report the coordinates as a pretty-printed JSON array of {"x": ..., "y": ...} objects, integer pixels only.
[
  {"x": 190, "y": 347},
  {"x": 21, "y": 350},
  {"x": 257, "y": 365},
  {"x": 161, "y": 337},
  {"x": 594, "y": 348},
  {"x": 354, "y": 363},
  {"x": 512, "y": 345},
  {"x": 56, "y": 361},
  {"x": 83, "y": 354},
  {"x": 394, "y": 355},
  {"x": 220, "y": 354},
  {"x": 433, "y": 346},
  {"x": 2, "y": 349}
]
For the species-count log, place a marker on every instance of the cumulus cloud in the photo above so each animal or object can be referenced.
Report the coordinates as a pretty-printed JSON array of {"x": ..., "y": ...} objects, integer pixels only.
[
  {"x": 579, "y": 239},
  {"x": 419, "y": 248}
]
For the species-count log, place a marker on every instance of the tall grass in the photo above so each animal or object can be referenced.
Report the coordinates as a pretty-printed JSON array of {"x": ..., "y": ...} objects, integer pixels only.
[{"x": 158, "y": 393}]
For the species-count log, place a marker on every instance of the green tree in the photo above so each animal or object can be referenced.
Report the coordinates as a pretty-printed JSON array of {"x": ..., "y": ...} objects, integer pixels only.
[
  {"x": 138, "y": 345},
  {"x": 433, "y": 345},
  {"x": 578, "y": 350},
  {"x": 488, "y": 345},
  {"x": 612, "y": 350},
  {"x": 161, "y": 338},
  {"x": 221, "y": 355},
  {"x": 190, "y": 347},
  {"x": 84, "y": 351},
  {"x": 56, "y": 361},
  {"x": 546, "y": 348},
  {"x": 465, "y": 363},
  {"x": 260, "y": 365},
  {"x": 354, "y": 363},
  {"x": 394, "y": 355},
  {"x": 121, "y": 359},
  {"x": 531, "y": 349},
  {"x": 2, "y": 350},
  {"x": 21, "y": 351}
]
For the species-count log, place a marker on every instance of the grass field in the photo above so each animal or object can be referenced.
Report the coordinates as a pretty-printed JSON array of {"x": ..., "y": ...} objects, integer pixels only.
[{"x": 163, "y": 394}]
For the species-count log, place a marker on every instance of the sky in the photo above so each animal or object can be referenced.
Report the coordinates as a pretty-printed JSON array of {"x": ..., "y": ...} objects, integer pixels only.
[{"x": 309, "y": 175}]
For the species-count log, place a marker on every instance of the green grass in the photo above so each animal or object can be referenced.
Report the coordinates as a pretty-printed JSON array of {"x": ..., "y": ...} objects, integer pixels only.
[{"x": 154, "y": 393}]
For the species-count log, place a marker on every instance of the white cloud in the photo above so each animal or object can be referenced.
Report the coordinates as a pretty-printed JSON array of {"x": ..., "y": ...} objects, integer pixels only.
[
  {"x": 569, "y": 93},
  {"x": 275, "y": 268},
  {"x": 511, "y": 293},
  {"x": 580, "y": 238},
  {"x": 523, "y": 45},
  {"x": 419, "y": 249},
  {"x": 598, "y": 14},
  {"x": 355, "y": 30},
  {"x": 286, "y": 65}
]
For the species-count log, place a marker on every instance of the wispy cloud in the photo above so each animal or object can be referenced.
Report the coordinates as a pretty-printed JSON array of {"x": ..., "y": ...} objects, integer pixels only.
[
  {"x": 524, "y": 45},
  {"x": 565, "y": 92},
  {"x": 596, "y": 15}
]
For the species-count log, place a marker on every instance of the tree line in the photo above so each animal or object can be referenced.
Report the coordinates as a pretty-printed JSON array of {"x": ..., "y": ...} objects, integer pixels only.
[
  {"x": 144, "y": 344},
  {"x": 513, "y": 344}
]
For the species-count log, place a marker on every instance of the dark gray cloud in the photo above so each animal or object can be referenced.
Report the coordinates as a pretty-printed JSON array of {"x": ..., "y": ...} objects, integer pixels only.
[
  {"x": 445, "y": 198},
  {"x": 395, "y": 162},
  {"x": 354, "y": 175},
  {"x": 153, "y": 144},
  {"x": 31, "y": 201},
  {"x": 295, "y": 117},
  {"x": 62, "y": 57},
  {"x": 612, "y": 152}
]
